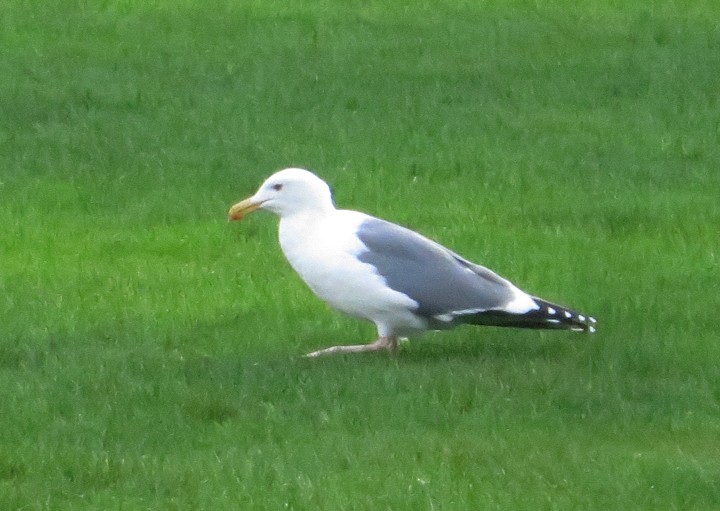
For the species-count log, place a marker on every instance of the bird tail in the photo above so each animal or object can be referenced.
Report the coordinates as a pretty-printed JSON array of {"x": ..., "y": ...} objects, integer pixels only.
[{"x": 547, "y": 316}]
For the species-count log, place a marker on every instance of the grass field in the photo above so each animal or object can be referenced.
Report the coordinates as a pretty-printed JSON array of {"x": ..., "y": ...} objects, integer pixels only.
[{"x": 150, "y": 352}]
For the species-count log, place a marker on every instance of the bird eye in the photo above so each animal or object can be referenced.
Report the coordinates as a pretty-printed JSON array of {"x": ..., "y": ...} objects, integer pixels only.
[{"x": 277, "y": 187}]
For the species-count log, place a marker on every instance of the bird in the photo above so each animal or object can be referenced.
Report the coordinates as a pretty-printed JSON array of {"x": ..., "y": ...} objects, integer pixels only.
[{"x": 396, "y": 278}]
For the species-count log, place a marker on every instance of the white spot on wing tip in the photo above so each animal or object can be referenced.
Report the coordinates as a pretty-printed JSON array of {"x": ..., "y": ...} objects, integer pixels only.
[
  {"x": 551, "y": 310},
  {"x": 568, "y": 315},
  {"x": 591, "y": 329},
  {"x": 581, "y": 317},
  {"x": 592, "y": 320}
]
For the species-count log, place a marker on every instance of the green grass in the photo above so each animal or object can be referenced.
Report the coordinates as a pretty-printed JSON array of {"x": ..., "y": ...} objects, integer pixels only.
[{"x": 150, "y": 352}]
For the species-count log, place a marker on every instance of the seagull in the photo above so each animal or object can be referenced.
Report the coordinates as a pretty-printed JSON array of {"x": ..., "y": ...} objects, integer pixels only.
[{"x": 398, "y": 279}]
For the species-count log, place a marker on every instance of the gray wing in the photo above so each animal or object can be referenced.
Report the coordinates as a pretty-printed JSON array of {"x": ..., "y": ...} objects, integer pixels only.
[{"x": 439, "y": 280}]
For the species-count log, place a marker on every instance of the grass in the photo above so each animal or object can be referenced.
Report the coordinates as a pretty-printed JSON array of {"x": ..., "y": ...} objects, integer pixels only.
[{"x": 150, "y": 352}]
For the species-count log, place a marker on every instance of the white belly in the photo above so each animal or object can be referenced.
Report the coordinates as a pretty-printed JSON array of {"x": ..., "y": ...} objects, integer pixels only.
[{"x": 323, "y": 251}]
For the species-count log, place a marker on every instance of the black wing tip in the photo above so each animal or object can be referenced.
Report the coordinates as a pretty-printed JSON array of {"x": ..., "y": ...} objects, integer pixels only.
[
  {"x": 547, "y": 316},
  {"x": 563, "y": 318}
]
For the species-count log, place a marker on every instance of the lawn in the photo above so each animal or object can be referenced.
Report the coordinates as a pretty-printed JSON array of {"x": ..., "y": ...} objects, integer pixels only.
[{"x": 151, "y": 352}]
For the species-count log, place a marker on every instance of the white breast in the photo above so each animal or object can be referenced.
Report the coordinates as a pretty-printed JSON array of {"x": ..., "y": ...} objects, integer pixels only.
[{"x": 323, "y": 251}]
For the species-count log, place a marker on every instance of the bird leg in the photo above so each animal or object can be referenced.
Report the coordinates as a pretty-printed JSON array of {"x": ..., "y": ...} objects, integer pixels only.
[{"x": 382, "y": 343}]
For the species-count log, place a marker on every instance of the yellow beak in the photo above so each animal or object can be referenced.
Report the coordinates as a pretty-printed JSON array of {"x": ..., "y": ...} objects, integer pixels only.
[{"x": 242, "y": 208}]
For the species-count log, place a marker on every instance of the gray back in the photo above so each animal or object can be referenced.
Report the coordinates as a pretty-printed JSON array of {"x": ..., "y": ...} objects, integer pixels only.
[{"x": 439, "y": 280}]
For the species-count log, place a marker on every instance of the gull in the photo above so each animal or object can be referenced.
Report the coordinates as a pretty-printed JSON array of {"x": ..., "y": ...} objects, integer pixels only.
[{"x": 401, "y": 281}]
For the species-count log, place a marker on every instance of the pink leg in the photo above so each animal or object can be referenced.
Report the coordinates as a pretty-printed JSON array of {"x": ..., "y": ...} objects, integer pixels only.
[{"x": 383, "y": 343}]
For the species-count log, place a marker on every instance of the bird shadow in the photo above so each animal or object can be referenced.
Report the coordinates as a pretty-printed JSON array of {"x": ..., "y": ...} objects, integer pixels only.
[
  {"x": 497, "y": 346},
  {"x": 502, "y": 346}
]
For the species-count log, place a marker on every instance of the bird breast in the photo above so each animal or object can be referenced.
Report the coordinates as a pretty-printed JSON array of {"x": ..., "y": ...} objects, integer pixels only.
[{"x": 323, "y": 251}]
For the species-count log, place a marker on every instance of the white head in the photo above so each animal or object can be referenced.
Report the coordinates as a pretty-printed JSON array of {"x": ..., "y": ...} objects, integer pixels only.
[{"x": 285, "y": 193}]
